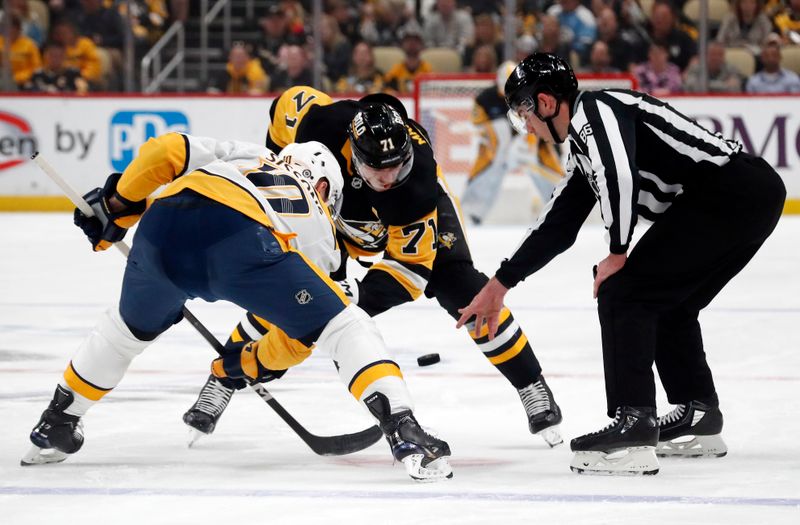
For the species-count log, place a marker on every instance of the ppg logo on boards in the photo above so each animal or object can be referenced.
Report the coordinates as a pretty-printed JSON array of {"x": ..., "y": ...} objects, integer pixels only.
[
  {"x": 131, "y": 129},
  {"x": 17, "y": 142}
]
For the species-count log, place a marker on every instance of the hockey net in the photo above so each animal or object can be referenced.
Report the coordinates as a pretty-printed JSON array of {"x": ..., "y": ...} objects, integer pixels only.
[{"x": 443, "y": 105}]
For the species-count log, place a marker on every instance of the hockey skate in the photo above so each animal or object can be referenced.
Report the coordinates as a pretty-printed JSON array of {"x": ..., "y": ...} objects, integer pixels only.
[
  {"x": 544, "y": 415},
  {"x": 211, "y": 403},
  {"x": 56, "y": 435},
  {"x": 423, "y": 455},
  {"x": 625, "y": 447},
  {"x": 691, "y": 431}
]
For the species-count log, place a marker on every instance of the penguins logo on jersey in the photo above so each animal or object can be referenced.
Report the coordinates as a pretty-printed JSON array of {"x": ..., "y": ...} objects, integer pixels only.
[
  {"x": 368, "y": 235},
  {"x": 447, "y": 240},
  {"x": 303, "y": 297}
]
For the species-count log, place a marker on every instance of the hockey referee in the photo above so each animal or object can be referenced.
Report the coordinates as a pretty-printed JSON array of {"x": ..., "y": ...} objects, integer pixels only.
[{"x": 712, "y": 207}]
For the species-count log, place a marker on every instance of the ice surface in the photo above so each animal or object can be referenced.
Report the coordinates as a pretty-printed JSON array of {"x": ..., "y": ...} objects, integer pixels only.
[{"x": 135, "y": 467}]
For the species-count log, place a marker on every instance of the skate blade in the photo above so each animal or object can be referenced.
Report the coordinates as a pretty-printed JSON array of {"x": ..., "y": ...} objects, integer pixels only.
[
  {"x": 633, "y": 461},
  {"x": 437, "y": 470},
  {"x": 693, "y": 447},
  {"x": 551, "y": 436},
  {"x": 42, "y": 456},
  {"x": 194, "y": 436}
]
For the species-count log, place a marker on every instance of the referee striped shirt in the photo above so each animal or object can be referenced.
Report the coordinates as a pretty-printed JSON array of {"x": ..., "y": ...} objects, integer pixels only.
[{"x": 632, "y": 154}]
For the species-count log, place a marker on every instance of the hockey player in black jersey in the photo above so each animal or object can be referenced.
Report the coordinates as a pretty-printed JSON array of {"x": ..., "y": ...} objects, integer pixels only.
[
  {"x": 712, "y": 206},
  {"x": 397, "y": 203}
]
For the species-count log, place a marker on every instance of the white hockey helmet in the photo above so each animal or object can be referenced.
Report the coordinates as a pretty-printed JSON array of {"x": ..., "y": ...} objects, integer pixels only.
[
  {"x": 319, "y": 164},
  {"x": 503, "y": 72}
]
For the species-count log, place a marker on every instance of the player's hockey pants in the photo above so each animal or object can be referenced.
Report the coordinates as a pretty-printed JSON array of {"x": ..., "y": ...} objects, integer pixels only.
[
  {"x": 188, "y": 246},
  {"x": 649, "y": 309},
  {"x": 455, "y": 281}
]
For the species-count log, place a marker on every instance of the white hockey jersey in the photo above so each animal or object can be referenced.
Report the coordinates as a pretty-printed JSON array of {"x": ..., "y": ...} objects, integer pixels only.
[{"x": 280, "y": 190}]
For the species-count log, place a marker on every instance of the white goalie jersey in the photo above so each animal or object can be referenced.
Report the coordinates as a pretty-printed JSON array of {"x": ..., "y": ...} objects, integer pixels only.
[{"x": 284, "y": 189}]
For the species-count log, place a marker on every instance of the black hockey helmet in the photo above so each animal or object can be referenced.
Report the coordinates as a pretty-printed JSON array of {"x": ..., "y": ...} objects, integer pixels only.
[
  {"x": 538, "y": 73},
  {"x": 381, "y": 146}
]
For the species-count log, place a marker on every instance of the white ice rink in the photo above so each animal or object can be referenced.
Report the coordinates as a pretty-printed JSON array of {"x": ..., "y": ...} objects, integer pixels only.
[{"x": 135, "y": 467}]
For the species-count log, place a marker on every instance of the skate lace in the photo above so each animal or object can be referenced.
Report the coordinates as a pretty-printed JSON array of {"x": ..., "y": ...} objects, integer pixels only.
[
  {"x": 213, "y": 398},
  {"x": 614, "y": 422},
  {"x": 534, "y": 398},
  {"x": 673, "y": 416}
]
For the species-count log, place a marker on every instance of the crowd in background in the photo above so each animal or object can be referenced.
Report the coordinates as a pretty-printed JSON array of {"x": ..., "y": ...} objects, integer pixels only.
[{"x": 78, "y": 47}]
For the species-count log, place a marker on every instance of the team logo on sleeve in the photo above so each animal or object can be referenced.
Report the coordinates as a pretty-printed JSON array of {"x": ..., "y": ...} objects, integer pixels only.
[
  {"x": 303, "y": 297},
  {"x": 447, "y": 240}
]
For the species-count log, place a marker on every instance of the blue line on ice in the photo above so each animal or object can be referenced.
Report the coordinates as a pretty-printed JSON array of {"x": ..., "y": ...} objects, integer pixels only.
[{"x": 475, "y": 496}]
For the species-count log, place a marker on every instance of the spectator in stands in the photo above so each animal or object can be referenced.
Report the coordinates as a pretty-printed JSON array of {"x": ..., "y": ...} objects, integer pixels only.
[
  {"x": 294, "y": 70},
  {"x": 773, "y": 78},
  {"x": 81, "y": 51},
  {"x": 484, "y": 60},
  {"x": 55, "y": 76},
  {"x": 400, "y": 78},
  {"x": 788, "y": 22},
  {"x": 25, "y": 57},
  {"x": 32, "y": 27},
  {"x": 243, "y": 74},
  {"x": 599, "y": 60},
  {"x": 148, "y": 20},
  {"x": 664, "y": 31},
  {"x": 346, "y": 15},
  {"x": 274, "y": 33},
  {"x": 486, "y": 34},
  {"x": 722, "y": 77},
  {"x": 745, "y": 26},
  {"x": 363, "y": 77},
  {"x": 620, "y": 50},
  {"x": 384, "y": 20},
  {"x": 525, "y": 45},
  {"x": 104, "y": 26},
  {"x": 658, "y": 76},
  {"x": 336, "y": 50},
  {"x": 449, "y": 26},
  {"x": 552, "y": 39},
  {"x": 580, "y": 21}
]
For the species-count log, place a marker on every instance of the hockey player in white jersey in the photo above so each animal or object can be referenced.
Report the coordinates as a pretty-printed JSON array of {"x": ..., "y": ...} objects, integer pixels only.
[{"x": 220, "y": 230}]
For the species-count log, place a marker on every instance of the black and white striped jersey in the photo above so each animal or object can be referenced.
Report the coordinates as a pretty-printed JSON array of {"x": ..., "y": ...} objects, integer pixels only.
[{"x": 631, "y": 153}]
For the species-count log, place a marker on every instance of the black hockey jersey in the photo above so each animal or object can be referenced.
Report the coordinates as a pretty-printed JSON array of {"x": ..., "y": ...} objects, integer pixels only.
[{"x": 400, "y": 222}]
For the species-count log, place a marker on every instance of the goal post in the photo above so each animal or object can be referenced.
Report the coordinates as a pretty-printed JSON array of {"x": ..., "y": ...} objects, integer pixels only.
[{"x": 443, "y": 105}]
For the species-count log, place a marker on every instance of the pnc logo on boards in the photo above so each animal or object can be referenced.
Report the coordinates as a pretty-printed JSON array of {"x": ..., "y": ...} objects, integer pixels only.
[
  {"x": 131, "y": 129},
  {"x": 17, "y": 141}
]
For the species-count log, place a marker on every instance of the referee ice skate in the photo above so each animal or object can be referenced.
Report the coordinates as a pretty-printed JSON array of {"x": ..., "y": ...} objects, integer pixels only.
[{"x": 712, "y": 206}]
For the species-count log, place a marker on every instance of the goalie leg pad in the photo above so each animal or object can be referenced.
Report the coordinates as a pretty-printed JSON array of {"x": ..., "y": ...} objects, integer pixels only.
[
  {"x": 101, "y": 361},
  {"x": 360, "y": 356},
  {"x": 629, "y": 461}
]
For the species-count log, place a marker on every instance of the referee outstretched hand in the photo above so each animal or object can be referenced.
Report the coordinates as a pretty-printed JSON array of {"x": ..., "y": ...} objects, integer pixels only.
[
  {"x": 606, "y": 268},
  {"x": 486, "y": 307}
]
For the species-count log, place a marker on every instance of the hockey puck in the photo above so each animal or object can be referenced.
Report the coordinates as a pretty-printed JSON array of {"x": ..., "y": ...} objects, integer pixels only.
[{"x": 428, "y": 359}]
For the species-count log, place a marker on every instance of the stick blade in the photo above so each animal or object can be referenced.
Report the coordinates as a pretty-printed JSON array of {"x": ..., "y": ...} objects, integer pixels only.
[{"x": 346, "y": 443}]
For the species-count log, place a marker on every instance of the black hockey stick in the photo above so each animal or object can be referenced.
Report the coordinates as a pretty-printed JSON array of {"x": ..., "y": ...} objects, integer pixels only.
[{"x": 323, "y": 445}]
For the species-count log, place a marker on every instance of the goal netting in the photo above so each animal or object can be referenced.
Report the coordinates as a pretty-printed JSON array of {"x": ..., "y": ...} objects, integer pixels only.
[{"x": 443, "y": 105}]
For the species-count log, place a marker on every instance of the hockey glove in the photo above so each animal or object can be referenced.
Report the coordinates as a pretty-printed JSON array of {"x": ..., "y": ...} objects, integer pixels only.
[
  {"x": 107, "y": 227},
  {"x": 244, "y": 365}
]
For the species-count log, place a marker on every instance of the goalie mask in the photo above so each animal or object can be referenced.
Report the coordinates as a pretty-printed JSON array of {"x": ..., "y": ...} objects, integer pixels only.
[
  {"x": 319, "y": 164},
  {"x": 382, "y": 153},
  {"x": 538, "y": 73}
]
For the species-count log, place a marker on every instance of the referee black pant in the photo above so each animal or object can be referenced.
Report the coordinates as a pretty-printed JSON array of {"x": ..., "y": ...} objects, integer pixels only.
[{"x": 649, "y": 309}]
